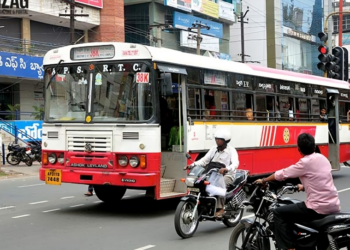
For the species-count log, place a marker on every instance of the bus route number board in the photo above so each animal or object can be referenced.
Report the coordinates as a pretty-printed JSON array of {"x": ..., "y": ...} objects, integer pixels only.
[
  {"x": 53, "y": 176},
  {"x": 142, "y": 77}
]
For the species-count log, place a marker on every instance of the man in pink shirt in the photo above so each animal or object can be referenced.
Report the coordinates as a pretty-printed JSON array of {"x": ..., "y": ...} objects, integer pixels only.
[{"x": 314, "y": 172}]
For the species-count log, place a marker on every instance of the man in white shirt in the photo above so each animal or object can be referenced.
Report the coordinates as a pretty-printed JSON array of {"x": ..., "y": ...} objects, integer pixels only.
[{"x": 226, "y": 155}]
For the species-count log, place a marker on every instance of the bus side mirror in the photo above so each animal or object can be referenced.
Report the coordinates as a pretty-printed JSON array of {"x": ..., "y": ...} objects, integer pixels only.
[{"x": 166, "y": 84}]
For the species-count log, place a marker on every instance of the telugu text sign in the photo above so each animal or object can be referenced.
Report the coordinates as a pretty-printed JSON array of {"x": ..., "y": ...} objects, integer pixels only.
[{"x": 92, "y": 3}]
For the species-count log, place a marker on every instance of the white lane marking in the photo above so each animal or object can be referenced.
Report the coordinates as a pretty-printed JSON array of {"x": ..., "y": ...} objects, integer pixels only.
[
  {"x": 37, "y": 202},
  {"x": 51, "y": 210},
  {"x": 33, "y": 185},
  {"x": 77, "y": 205},
  {"x": 67, "y": 197},
  {"x": 7, "y": 207},
  {"x": 343, "y": 190},
  {"x": 20, "y": 216},
  {"x": 97, "y": 201},
  {"x": 145, "y": 247}
]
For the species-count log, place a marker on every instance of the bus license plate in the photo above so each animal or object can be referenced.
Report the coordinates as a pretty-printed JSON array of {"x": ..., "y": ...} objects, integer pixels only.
[
  {"x": 193, "y": 190},
  {"x": 53, "y": 177}
]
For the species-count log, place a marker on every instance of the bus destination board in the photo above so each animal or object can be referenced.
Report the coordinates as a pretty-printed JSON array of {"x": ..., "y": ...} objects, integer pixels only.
[{"x": 93, "y": 52}]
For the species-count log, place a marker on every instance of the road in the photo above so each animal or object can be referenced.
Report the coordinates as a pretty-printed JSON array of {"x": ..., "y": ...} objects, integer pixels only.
[{"x": 37, "y": 216}]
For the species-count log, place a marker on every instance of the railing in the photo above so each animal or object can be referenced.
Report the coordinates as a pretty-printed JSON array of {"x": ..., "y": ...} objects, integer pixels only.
[{"x": 26, "y": 47}]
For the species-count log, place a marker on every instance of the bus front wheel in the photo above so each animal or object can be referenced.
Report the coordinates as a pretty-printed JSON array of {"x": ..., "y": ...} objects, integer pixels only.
[{"x": 109, "y": 194}]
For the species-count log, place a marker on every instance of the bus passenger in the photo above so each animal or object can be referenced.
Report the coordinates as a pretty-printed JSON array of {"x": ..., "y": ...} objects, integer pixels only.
[
  {"x": 323, "y": 115},
  {"x": 290, "y": 112},
  {"x": 210, "y": 108},
  {"x": 347, "y": 115},
  {"x": 226, "y": 155},
  {"x": 249, "y": 114},
  {"x": 277, "y": 111}
]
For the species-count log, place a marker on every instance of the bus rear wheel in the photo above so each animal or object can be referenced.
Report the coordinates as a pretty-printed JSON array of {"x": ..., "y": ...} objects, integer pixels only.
[{"x": 109, "y": 194}]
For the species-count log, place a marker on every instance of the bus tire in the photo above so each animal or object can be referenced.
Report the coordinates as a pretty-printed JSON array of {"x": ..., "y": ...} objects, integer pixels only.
[{"x": 109, "y": 194}]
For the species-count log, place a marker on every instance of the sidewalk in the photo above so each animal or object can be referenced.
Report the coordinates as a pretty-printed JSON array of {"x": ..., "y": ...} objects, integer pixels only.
[{"x": 21, "y": 170}]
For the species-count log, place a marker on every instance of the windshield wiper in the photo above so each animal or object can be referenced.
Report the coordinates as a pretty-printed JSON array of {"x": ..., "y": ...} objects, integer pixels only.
[{"x": 58, "y": 64}]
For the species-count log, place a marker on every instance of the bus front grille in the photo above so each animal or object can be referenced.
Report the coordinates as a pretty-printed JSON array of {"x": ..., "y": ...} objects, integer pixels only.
[{"x": 89, "y": 141}]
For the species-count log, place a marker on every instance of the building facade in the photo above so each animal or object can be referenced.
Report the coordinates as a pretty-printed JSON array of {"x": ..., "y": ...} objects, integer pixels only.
[{"x": 281, "y": 34}]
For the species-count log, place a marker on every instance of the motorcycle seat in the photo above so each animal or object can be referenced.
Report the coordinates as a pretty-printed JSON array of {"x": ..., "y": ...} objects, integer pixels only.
[{"x": 328, "y": 220}]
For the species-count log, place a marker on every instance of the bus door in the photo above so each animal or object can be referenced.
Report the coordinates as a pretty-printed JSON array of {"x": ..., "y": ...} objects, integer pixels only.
[
  {"x": 173, "y": 127},
  {"x": 333, "y": 128}
]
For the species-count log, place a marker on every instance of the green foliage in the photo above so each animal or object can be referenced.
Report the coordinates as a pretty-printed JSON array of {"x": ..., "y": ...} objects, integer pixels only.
[
  {"x": 39, "y": 112},
  {"x": 12, "y": 109}
]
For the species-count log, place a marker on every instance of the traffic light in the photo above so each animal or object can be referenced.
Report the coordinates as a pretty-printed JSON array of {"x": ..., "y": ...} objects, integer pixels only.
[
  {"x": 336, "y": 65},
  {"x": 346, "y": 64},
  {"x": 323, "y": 49}
]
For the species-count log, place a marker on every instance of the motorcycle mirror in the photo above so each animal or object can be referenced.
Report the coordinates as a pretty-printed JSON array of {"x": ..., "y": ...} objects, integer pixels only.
[{"x": 188, "y": 156}]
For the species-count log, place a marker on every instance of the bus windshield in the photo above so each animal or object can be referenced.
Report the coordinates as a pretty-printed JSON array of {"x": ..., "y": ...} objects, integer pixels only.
[{"x": 119, "y": 92}]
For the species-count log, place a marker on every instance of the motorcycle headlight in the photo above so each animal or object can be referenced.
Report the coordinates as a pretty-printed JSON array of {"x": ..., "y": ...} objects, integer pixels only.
[
  {"x": 123, "y": 160},
  {"x": 134, "y": 161},
  {"x": 60, "y": 158},
  {"x": 190, "y": 181},
  {"x": 52, "y": 158}
]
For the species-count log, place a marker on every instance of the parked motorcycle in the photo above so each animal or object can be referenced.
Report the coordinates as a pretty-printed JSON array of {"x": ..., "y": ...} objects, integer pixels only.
[
  {"x": 17, "y": 154},
  {"x": 34, "y": 152},
  {"x": 199, "y": 206},
  {"x": 331, "y": 232}
]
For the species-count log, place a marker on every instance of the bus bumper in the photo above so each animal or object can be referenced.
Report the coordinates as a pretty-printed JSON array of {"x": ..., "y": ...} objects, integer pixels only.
[{"x": 103, "y": 178}]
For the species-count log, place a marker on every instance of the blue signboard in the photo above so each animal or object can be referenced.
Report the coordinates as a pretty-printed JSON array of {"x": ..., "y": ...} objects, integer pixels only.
[
  {"x": 183, "y": 21},
  {"x": 18, "y": 65},
  {"x": 31, "y": 128}
]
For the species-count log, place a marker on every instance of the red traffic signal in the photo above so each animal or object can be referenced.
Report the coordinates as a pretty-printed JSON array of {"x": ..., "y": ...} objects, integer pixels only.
[{"x": 323, "y": 49}]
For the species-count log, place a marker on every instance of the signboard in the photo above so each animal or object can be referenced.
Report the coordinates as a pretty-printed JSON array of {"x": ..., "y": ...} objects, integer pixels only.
[
  {"x": 183, "y": 21},
  {"x": 184, "y": 5},
  {"x": 206, "y": 7},
  {"x": 189, "y": 39},
  {"x": 298, "y": 34},
  {"x": 18, "y": 65},
  {"x": 92, "y": 3},
  {"x": 30, "y": 128},
  {"x": 92, "y": 52},
  {"x": 214, "y": 77},
  {"x": 18, "y": 7},
  {"x": 227, "y": 11}
]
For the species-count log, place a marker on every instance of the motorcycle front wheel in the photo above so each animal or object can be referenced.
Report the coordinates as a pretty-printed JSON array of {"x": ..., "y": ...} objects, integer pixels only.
[
  {"x": 185, "y": 226},
  {"x": 234, "y": 219},
  {"x": 28, "y": 162},
  {"x": 240, "y": 233},
  {"x": 12, "y": 159}
]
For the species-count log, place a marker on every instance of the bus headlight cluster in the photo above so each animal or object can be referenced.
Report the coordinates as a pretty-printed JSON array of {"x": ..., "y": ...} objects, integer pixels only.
[
  {"x": 52, "y": 158},
  {"x": 134, "y": 161},
  {"x": 123, "y": 160},
  {"x": 61, "y": 158}
]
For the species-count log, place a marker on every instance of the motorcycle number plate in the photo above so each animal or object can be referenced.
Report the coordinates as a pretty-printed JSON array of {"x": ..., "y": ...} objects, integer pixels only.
[
  {"x": 53, "y": 177},
  {"x": 193, "y": 189}
]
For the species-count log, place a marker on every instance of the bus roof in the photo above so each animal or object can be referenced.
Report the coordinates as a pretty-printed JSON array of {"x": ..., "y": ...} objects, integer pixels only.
[{"x": 128, "y": 51}]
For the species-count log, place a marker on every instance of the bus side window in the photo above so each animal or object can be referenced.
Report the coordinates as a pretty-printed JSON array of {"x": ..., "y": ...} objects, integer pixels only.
[{"x": 261, "y": 107}]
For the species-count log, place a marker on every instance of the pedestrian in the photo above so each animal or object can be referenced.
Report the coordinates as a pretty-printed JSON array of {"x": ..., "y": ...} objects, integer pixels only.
[{"x": 90, "y": 191}]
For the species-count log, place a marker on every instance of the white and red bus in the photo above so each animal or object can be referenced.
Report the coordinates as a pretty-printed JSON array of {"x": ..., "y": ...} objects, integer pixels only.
[{"x": 122, "y": 116}]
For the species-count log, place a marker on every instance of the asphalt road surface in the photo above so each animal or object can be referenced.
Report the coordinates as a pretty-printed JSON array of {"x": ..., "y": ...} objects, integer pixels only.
[{"x": 36, "y": 216}]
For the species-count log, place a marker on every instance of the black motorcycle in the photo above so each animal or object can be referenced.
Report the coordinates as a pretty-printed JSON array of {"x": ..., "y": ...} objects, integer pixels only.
[
  {"x": 199, "y": 206},
  {"x": 34, "y": 152},
  {"x": 332, "y": 232},
  {"x": 17, "y": 154}
]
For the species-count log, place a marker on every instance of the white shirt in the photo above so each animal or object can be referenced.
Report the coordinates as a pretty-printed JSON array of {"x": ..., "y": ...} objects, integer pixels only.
[{"x": 228, "y": 156}]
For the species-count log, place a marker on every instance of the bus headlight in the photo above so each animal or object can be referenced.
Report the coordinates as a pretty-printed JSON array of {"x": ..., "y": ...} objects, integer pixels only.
[
  {"x": 134, "y": 161},
  {"x": 123, "y": 160},
  {"x": 52, "y": 158},
  {"x": 61, "y": 158}
]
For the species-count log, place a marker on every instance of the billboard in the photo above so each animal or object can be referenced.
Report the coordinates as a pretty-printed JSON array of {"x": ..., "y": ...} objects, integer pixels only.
[
  {"x": 206, "y": 7},
  {"x": 92, "y": 3},
  {"x": 189, "y": 39},
  {"x": 227, "y": 11},
  {"x": 183, "y": 21},
  {"x": 184, "y": 5}
]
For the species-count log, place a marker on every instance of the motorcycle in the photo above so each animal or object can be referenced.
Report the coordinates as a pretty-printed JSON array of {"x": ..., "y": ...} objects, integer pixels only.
[
  {"x": 331, "y": 232},
  {"x": 198, "y": 205},
  {"x": 17, "y": 154},
  {"x": 34, "y": 152}
]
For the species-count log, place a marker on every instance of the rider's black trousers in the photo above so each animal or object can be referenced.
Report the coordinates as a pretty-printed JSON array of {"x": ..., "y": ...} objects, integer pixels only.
[{"x": 285, "y": 216}]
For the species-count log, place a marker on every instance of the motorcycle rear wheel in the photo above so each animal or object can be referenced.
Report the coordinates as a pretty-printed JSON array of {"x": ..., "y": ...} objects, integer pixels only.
[
  {"x": 29, "y": 162},
  {"x": 12, "y": 159},
  {"x": 238, "y": 236},
  {"x": 184, "y": 225},
  {"x": 232, "y": 222}
]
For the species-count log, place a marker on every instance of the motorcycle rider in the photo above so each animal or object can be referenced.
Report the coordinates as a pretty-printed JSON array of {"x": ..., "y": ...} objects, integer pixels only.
[
  {"x": 314, "y": 172},
  {"x": 225, "y": 154}
]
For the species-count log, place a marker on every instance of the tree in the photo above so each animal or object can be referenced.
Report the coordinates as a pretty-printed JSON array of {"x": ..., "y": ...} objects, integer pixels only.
[
  {"x": 12, "y": 109},
  {"x": 39, "y": 112}
]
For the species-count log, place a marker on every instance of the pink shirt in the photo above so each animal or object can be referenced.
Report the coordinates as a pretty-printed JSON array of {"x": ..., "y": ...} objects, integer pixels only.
[{"x": 314, "y": 172}]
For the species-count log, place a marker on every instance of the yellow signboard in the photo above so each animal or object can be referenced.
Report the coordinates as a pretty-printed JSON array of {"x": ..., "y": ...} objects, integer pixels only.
[{"x": 206, "y": 7}]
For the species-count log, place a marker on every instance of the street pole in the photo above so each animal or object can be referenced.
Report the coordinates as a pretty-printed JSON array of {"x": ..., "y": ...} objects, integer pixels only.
[
  {"x": 159, "y": 35},
  {"x": 242, "y": 30},
  {"x": 198, "y": 41},
  {"x": 340, "y": 33}
]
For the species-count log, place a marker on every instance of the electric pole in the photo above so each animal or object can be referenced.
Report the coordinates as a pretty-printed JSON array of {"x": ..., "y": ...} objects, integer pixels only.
[
  {"x": 242, "y": 29},
  {"x": 199, "y": 25},
  {"x": 160, "y": 27},
  {"x": 72, "y": 15}
]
